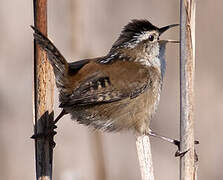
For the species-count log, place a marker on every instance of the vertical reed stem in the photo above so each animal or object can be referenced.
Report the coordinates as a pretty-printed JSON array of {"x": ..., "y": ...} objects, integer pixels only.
[
  {"x": 187, "y": 72},
  {"x": 43, "y": 87}
]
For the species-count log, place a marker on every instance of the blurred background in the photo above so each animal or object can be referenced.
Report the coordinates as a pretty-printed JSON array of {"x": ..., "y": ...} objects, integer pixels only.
[{"x": 86, "y": 28}]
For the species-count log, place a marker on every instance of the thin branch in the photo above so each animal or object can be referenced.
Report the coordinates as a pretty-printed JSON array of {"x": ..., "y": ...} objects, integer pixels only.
[
  {"x": 187, "y": 71},
  {"x": 43, "y": 83},
  {"x": 145, "y": 157}
]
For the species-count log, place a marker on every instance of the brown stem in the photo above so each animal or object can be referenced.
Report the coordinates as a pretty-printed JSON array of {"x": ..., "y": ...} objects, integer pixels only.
[{"x": 43, "y": 83}]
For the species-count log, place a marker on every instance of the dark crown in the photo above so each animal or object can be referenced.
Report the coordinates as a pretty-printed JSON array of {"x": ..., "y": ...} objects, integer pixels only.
[
  {"x": 138, "y": 26},
  {"x": 132, "y": 30}
]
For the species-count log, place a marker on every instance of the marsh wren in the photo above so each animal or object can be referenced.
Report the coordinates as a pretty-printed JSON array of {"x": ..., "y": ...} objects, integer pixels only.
[{"x": 118, "y": 91}]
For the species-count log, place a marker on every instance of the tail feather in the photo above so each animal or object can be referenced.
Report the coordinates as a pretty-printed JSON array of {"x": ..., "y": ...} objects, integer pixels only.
[{"x": 56, "y": 59}]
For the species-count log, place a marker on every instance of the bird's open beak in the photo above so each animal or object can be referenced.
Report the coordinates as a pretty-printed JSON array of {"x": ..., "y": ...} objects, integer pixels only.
[{"x": 165, "y": 28}]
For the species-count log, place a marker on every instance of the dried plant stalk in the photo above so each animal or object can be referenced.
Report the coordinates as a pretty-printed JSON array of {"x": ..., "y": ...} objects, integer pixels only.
[
  {"x": 145, "y": 157},
  {"x": 43, "y": 83},
  {"x": 187, "y": 70}
]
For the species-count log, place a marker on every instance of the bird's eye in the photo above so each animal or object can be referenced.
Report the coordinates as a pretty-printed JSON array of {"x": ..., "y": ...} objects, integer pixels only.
[{"x": 151, "y": 38}]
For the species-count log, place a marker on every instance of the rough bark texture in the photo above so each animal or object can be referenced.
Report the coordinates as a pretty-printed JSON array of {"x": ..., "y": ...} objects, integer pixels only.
[
  {"x": 187, "y": 70},
  {"x": 43, "y": 98}
]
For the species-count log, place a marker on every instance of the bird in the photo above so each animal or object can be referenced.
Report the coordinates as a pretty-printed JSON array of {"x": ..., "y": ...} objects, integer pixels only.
[{"x": 119, "y": 91}]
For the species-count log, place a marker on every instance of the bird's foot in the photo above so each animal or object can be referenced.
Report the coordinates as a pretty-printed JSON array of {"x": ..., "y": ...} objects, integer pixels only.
[
  {"x": 48, "y": 133},
  {"x": 179, "y": 153},
  {"x": 49, "y": 129},
  {"x": 172, "y": 141},
  {"x": 182, "y": 153}
]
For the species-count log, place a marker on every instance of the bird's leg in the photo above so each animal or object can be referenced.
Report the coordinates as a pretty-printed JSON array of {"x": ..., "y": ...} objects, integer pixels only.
[
  {"x": 172, "y": 141},
  {"x": 50, "y": 132},
  {"x": 62, "y": 113}
]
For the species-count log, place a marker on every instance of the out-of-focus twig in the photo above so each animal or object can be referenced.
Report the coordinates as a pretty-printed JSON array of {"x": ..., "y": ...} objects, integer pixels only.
[
  {"x": 188, "y": 165},
  {"x": 95, "y": 139},
  {"x": 98, "y": 155}
]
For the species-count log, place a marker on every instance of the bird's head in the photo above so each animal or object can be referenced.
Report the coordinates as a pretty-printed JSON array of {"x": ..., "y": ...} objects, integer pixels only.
[
  {"x": 139, "y": 40},
  {"x": 140, "y": 31},
  {"x": 140, "y": 34}
]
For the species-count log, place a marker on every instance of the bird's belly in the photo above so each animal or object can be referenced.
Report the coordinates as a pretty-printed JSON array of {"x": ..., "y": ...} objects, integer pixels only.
[{"x": 128, "y": 114}]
